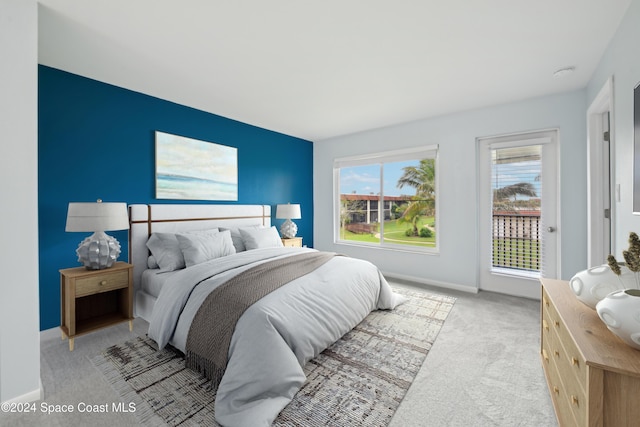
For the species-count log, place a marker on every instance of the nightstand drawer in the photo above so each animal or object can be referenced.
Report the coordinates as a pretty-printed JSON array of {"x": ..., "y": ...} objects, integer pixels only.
[
  {"x": 101, "y": 283},
  {"x": 294, "y": 242}
]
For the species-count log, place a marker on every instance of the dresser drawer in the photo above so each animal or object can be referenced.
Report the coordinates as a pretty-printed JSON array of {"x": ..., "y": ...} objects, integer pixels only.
[
  {"x": 546, "y": 348},
  {"x": 547, "y": 330},
  {"x": 561, "y": 400},
  {"x": 574, "y": 391},
  {"x": 101, "y": 283},
  {"x": 570, "y": 359}
]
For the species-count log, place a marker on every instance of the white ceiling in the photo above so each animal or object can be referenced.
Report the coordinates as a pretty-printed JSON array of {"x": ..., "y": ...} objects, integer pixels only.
[{"x": 326, "y": 68}]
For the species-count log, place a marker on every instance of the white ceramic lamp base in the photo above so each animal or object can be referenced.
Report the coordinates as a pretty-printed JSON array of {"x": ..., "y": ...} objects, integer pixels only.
[
  {"x": 288, "y": 229},
  {"x": 98, "y": 251}
]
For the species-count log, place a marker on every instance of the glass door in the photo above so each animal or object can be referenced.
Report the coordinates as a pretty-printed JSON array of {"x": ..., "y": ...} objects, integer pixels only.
[{"x": 517, "y": 188}]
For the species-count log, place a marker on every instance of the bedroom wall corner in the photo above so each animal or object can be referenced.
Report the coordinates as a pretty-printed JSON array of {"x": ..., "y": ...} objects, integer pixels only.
[
  {"x": 621, "y": 60},
  {"x": 98, "y": 141},
  {"x": 19, "y": 337}
]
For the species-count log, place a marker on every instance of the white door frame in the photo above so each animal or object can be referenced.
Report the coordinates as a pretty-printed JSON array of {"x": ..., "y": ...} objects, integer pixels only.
[
  {"x": 596, "y": 236},
  {"x": 523, "y": 285}
]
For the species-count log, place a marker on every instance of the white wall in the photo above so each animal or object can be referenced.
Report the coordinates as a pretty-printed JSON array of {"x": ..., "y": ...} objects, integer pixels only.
[
  {"x": 622, "y": 61},
  {"x": 19, "y": 336},
  {"x": 456, "y": 265}
]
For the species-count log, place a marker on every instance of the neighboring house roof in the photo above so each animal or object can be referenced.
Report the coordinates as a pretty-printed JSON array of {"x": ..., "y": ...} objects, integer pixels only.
[
  {"x": 356, "y": 197},
  {"x": 518, "y": 212}
]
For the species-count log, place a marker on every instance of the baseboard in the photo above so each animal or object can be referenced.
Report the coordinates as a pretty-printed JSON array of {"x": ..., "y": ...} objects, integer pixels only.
[
  {"x": 50, "y": 333},
  {"x": 436, "y": 283},
  {"x": 31, "y": 396},
  {"x": 515, "y": 291}
]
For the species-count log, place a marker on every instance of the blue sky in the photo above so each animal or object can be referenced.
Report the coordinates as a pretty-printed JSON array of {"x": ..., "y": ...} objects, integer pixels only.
[
  {"x": 513, "y": 173},
  {"x": 366, "y": 179}
]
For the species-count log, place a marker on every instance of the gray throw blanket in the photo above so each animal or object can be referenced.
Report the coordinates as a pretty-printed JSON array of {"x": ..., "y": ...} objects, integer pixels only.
[{"x": 210, "y": 334}]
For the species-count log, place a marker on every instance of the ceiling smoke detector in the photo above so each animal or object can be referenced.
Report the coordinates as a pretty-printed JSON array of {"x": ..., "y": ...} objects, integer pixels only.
[{"x": 562, "y": 72}]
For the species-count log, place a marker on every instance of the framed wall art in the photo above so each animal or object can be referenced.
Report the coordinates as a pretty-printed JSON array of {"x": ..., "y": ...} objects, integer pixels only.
[{"x": 190, "y": 169}]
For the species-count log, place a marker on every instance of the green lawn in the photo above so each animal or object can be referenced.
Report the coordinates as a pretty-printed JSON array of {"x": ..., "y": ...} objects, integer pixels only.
[
  {"x": 394, "y": 233},
  {"x": 516, "y": 253}
]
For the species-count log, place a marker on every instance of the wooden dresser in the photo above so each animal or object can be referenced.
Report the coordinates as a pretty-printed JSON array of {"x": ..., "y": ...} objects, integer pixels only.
[{"x": 593, "y": 377}]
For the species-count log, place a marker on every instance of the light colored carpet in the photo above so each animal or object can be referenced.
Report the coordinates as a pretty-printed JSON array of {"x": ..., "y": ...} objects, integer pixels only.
[
  {"x": 358, "y": 381},
  {"x": 483, "y": 370}
]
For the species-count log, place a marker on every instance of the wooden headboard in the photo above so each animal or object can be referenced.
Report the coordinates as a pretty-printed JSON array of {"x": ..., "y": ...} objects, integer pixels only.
[{"x": 175, "y": 218}]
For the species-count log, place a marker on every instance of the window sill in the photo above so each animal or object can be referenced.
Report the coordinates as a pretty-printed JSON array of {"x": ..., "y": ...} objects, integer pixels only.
[
  {"x": 512, "y": 272},
  {"x": 391, "y": 248}
]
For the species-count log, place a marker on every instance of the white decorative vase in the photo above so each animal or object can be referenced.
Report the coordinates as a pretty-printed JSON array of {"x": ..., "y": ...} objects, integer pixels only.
[
  {"x": 620, "y": 311},
  {"x": 595, "y": 283}
]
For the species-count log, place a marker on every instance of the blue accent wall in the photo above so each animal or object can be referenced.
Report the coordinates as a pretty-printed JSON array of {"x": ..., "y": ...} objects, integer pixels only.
[{"x": 97, "y": 141}]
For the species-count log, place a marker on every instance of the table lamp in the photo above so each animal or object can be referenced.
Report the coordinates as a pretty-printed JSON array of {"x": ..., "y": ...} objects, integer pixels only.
[
  {"x": 288, "y": 229},
  {"x": 98, "y": 251}
]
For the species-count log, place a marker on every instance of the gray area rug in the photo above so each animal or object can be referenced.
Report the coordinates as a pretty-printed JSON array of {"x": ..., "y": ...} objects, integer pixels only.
[{"x": 359, "y": 381}]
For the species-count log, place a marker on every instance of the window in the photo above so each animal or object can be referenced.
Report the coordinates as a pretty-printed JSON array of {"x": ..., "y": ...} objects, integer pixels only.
[
  {"x": 388, "y": 199},
  {"x": 516, "y": 178}
]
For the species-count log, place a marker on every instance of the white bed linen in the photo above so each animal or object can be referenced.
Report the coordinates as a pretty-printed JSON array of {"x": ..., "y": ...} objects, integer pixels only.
[
  {"x": 277, "y": 335},
  {"x": 154, "y": 279}
]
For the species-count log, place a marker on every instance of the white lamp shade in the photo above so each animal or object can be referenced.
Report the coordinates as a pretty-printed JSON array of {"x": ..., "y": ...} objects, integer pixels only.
[
  {"x": 288, "y": 211},
  {"x": 97, "y": 217}
]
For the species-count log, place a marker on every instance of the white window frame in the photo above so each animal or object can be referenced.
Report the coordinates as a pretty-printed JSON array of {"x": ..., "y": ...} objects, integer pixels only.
[{"x": 429, "y": 151}]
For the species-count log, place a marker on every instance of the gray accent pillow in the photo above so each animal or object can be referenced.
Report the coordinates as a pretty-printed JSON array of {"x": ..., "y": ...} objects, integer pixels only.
[
  {"x": 152, "y": 263},
  {"x": 257, "y": 238},
  {"x": 198, "y": 248},
  {"x": 165, "y": 249},
  {"x": 238, "y": 242}
]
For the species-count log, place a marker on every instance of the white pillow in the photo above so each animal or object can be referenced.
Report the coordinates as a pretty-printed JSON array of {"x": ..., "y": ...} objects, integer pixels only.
[
  {"x": 198, "y": 248},
  {"x": 166, "y": 250},
  {"x": 257, "y": 238}
]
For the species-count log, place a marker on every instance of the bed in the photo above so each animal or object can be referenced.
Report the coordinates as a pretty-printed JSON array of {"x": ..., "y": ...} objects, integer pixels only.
[{"x": 246, "y": 311}]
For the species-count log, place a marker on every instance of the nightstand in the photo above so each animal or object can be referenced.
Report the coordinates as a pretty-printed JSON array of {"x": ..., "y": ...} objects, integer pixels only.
[
  {"x": 95, "y": 299},
  {"x": 294, "y": 242}
]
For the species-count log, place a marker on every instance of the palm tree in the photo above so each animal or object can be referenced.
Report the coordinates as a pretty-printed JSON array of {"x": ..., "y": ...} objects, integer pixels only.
[
  {"x": 502, "y": 196},
  {"x": 514, "y": 190},
  {"x": 423, "y": 179},
  {"x": 414, "y": 210}
]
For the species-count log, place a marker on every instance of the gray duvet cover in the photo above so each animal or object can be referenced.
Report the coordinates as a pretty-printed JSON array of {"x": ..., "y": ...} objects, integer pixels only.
[{"x": 276, "y": 336}]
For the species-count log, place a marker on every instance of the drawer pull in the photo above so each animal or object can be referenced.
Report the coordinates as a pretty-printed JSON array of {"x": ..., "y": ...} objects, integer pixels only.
[
  {"x": 545, "y": 325},
  {"x": 556, "y": 353},
  {"x": 574, "y": 400},
  {"x": 556, "y": 390},
  {"x": 104, "y": 282},
  {"x": 575, "y": 362},
  {"x": 544, "y": 355},
  {"x": 557, "y": 323}
]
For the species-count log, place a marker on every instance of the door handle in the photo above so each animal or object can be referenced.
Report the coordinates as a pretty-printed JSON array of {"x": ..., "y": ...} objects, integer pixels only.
[{"x": 551, "y": 229}]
